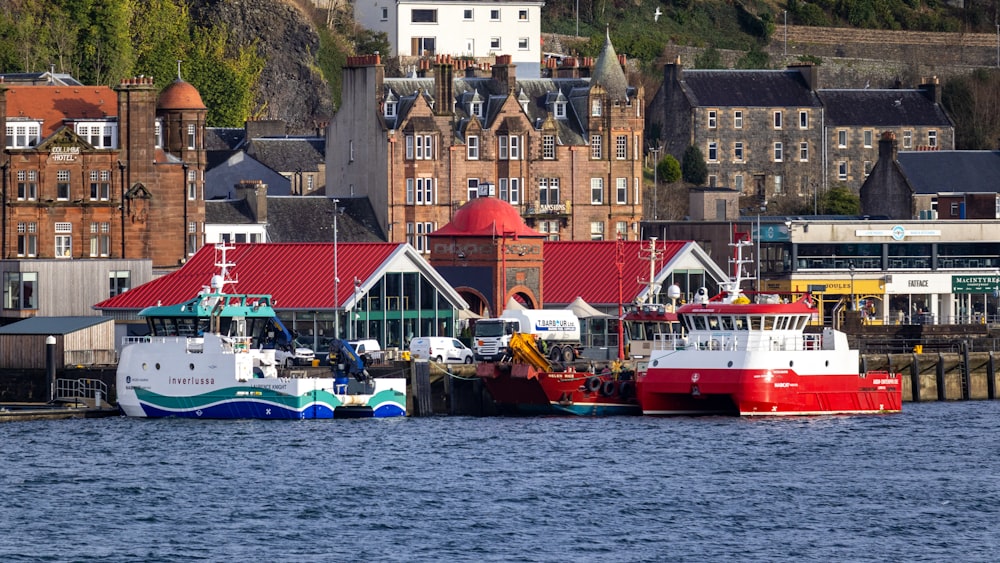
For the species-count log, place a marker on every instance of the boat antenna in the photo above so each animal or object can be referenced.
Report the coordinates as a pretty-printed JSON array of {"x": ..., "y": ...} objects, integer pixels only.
[
  {"x": 652, "y": 254},
  {"x": 220, "y": 280}
]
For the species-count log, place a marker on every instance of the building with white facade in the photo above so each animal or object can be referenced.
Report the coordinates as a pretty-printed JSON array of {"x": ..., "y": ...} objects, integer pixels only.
[{"x": 466, "y": 28}]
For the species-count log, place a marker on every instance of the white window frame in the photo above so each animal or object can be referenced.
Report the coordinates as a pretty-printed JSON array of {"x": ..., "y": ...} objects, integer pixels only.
[
  {"x": 713, "y": 151},
  {"x": 738, "y": 151},
  {"x": 804, "y": 151},
  {"x": 595, "y": 146},
  {"x": 842, "y": 170},
  {"x": 597, "y": 191},
  {"x": 932, "y": 140},
  {"x": 713, "y": 119},
  {"x": 803, "y": 119},
  {"x": 548, "y": 147},
  {"x": 738, "y": 119},
  {"x": 621, "y": 147},
  {"x": 472, "y": 147},
  {"x": 779, "y": 151},
  {"x": 777, "y": 120},
  {"x": 621, "y": 191},
  {"x": 842, "y": 138}
]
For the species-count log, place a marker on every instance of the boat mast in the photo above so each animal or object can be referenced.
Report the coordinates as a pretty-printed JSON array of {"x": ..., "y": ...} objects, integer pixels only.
[
  {"x": 732, "y": 287},
  {"x": 652, "y": 254}
]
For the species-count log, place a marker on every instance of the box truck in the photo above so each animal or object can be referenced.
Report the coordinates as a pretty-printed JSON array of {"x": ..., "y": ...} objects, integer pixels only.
[{"x": 557, "y": 330}]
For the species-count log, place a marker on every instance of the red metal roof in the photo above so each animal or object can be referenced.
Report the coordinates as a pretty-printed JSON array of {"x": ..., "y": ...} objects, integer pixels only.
[
  {"x": 296, "y": 275},
  {"x": 53, "y": 104},
  {"x": 588, "y": 269}
]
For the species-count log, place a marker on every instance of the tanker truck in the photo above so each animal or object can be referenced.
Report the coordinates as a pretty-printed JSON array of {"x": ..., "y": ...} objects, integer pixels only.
[{"x": 557, "y": 330}]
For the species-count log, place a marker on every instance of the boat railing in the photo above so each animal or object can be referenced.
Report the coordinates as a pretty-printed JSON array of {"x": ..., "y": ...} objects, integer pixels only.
[{"x": 752, "y": 341}]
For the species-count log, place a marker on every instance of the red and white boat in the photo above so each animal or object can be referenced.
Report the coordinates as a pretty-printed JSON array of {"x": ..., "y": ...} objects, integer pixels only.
[{"x": 757, "y": 358}]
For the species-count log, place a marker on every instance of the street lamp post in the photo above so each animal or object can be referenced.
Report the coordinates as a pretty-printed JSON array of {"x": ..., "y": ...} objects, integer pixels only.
[
  {"x": 853, "y": 307},
  {"x": 656, "y": 161},
  {"x": 336, "y": 274},
  {"x": 354, "y": 313},
  {"x": 786, "y": 33}
]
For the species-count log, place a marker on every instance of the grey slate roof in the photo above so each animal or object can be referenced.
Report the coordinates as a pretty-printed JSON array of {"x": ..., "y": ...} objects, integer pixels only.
[
  {"x": 540, "y": 92},
  {"x": 228, "y": 212},
  {"x": 310, "y": 219},
  {"x": 289, "y": 154},
  {"x": 931, "y": 172},
  {"x": 53, "y": 325},
  {"x": 887, "y": 108},
  {"x": 748, "y": 88},
  {"x": 609, "y": 74},
  {"x": 224, "y": 138}
]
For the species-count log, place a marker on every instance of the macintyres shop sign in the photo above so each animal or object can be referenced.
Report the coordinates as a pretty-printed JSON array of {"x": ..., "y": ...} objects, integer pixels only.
[{"x": 975, "y": 284}]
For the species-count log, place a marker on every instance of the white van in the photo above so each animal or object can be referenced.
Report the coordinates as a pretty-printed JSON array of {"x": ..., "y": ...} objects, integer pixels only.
[{"x": 440, "y": 349}]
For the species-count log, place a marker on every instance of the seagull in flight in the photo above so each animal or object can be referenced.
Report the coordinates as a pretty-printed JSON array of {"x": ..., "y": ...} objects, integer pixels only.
[{"x": 657, "y": 14}]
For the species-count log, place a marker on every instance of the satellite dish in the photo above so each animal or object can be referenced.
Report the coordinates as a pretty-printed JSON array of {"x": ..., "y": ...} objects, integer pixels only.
[{"x": 674, "y": 291}]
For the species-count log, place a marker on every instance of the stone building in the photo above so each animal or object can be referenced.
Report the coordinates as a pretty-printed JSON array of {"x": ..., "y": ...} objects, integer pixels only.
[
  {"x": 928, "y": 185},
  {"x": 566, "y": 152},
  {"x": 774, "y": 133}
]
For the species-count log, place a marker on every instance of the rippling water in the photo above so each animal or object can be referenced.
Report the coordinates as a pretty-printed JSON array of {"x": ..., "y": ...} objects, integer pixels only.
[{"x": 921, "y": 485}]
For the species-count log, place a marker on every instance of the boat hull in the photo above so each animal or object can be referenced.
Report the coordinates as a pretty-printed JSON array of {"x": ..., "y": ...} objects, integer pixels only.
[
  {"x": 522, "y": 389},
  {"x": 767, "y": 392}
]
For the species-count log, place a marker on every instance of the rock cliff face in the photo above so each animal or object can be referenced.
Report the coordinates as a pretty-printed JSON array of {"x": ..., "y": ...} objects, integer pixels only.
[{"x": 290, "y": 88}]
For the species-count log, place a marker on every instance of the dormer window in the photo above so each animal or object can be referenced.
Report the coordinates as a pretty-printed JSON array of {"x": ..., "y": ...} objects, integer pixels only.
[
  {"x": 390, "y": 109},
  {"x": 559, "y": 110},
  {"x": 476, "y": 109},
  {"x": 23, "y": 134},
  {"x": 595, "y": 108},
  {"x": 100, "y": 135}
]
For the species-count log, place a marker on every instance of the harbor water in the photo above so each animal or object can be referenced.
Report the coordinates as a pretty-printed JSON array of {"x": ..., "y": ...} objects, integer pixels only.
[{"x": 918, "y": 486}]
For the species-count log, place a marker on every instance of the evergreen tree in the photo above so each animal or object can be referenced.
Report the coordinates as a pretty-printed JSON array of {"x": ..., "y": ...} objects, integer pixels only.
[
  {"x": 668, "y": 170},
  {"x": 693, "y": 167}
]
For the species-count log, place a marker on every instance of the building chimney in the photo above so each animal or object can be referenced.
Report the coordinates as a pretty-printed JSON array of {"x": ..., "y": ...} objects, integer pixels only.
[
  {"x": 809, "y": 72},
  {"x": 502, "y": 73},
  {"x": 887, "y": 147},
  {"x": 254, "y": 192},
  {"x": 444, "y": 85},
  {"x": 673, "y": 73},
  {"x": 932, "y": 89}
]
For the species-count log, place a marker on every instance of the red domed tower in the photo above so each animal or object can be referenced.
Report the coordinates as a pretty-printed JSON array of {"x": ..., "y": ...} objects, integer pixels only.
[{"x": 489, "y": 255}]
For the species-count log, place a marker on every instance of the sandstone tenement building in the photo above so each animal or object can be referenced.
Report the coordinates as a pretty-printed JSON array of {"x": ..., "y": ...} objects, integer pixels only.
[
  {"x": 566, "y": 152},
  {"x": 106, "y": 176}
]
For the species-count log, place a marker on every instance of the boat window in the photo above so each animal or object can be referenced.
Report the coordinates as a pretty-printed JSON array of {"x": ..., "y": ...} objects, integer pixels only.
[
  {"x": 801, "y": 322},
  {"x": 754, "y": 323},
  {"x": 699, "y": 323},
  {"x": 782, "y": 323},
  {"x": 742, "y": 323},
  {"x": 727, "y": 323},
  {"x": 187, "y": 326},
  {"x": 713, "y": 322},
  {"x": 769, "y": 322}
]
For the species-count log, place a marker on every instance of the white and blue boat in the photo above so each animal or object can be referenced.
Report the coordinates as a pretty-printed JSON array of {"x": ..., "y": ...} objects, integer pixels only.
[{"x": 214, "y": 357}]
